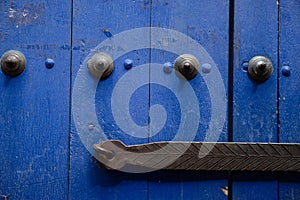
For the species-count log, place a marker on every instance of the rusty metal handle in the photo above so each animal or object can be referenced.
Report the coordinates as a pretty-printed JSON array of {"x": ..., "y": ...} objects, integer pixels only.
[{"x": 201, "y": 156}]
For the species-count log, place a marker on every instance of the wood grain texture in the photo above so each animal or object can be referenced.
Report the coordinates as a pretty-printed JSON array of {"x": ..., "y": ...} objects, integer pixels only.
[
  {"x": 255, "y": 105},
  {"x": 207, "y": 23},
  {"x": 93, "y": 22},
  {"x": 289, "y": 186},
  {"x": 34, "y": 108}
]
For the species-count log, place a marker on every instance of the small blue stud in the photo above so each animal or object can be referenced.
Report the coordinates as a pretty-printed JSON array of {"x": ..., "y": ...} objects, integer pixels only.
[
  {"x": 128, "y": 64},
  {"x": 206, "y": 68},
  {"x": 49, "y": 63},
  {"x": 168, "y": 67},
  {"x": 286, "y": 71},
  {"x": 245, "y": 66}
]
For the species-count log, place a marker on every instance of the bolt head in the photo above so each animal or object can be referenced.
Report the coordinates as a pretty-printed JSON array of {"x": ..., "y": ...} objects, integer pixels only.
[
  {"x": 186, "y": 66},
  {"x": 286, "y": 71},
  {"x": 260, "y": 68},
  {"x": 100, "y": 65},
  {"x": 128, "y": 64},
  {"x": 13, "y": 63},
  {"x": 168, "y": 67},
  {"x": 49, "y": 63},
  {"x": 245, "y": 66},
  {"x": 206, "y": 68}
]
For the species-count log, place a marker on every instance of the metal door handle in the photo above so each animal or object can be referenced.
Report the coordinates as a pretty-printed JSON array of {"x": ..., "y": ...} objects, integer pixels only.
[{"x": 200, "y": 156}]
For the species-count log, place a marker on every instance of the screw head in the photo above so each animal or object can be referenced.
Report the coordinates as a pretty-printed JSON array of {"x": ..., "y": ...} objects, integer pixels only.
[
  {"x": 128, "y": 64},
  {"x": 186, "y": 66},
  {"x": 101, "y": 65},
  {"x": 49, "y": 63},
  {"x": 206, "y": 68},
  {"x": 13, "y": 63},
  {"x": 168, "y": 67},
  {"x": 260, "y": 68},
  {"x": 286, "y": 71},
  {"x": 245, "y": 66}
]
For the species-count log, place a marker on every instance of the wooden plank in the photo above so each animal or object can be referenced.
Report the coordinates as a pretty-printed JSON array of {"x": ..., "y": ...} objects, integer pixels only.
[
  {"x": 207, "y": 23},
  {"x": 94, "y": 22},
  {"x": 255, "y": 105},
  {"x": 289, "y": 185},
  {"x": 34, "y": 108}
]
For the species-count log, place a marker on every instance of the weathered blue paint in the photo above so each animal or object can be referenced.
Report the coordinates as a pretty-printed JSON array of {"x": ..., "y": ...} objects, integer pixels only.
[
  {"x": 254, "y": 104},
  {"x": 289, "y": 187},
  {"x": 34, "y": 107},
  {"x": 38, "y": 162},
  {"x": 198, "y": 20},
  {"x": 93, "y": 22}
]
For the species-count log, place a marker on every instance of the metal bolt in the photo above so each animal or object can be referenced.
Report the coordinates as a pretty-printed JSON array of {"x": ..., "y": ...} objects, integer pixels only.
[
  {"x": 49, "y": 63},
  {"x": 168, "y": 67},
  {"x": 261, "y": 65},
  {"x": 101, "y": 65},
  {"x": 186, "y": 66},
  {"x": 128, "y": 64},
  {"x": 245, "y": 66},
  {"x": 13, "y": 63},
  {"x": 260, "y": 68},
  {"x": 206, "y": 68},
  {"x": 286, "y": 71}
]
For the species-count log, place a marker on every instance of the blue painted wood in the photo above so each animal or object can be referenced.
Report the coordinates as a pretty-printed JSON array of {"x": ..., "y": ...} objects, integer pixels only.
[
  {"x": 34, "y": 119},
  {"x": 198, "y": 20},
  {"x": 93, "y": 22},
  {"x": 289, "y": 108},
  {"x": 34, "y": 108},
  {"x": 255, "y": 105},
  {"x": 254, "y": 190}
]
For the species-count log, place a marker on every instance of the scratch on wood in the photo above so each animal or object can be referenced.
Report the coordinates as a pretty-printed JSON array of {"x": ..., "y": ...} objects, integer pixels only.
[
  {"x": 28, "y": 14},
  {"x": 237, "y": 48},
  {"x": 225, "y": 190}
]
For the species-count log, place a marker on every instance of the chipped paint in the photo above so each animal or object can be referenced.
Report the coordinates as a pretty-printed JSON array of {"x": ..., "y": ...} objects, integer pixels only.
[
  {"x": 225, "y": 190},
  {"x": 28, "y": 14}
]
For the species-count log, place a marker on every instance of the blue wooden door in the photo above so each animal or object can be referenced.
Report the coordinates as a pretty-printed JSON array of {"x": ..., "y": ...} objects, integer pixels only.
[{"x": 51, "y": 116}]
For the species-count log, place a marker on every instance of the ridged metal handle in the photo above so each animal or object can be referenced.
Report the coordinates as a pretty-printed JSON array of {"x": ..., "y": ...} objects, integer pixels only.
[{"x": 201, "y": 156}]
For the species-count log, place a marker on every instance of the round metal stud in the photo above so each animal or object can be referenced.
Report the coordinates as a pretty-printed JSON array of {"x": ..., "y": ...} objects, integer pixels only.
[
  {"x": 101, "y": 64},
  {"x": 13, "y": 63},
  {"x": 187, "y": 66},
  {"x": 128, "y": 64},
  {"x": 286, "y": 71},
  {"x": 260, "y": 68}
]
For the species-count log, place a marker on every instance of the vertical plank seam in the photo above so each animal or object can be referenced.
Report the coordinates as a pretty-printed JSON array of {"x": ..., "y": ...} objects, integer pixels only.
[
  {"x": 70, "y": 98},
  {"x": 230, "y": 85},
  {"x": 230, "y": 70}
]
